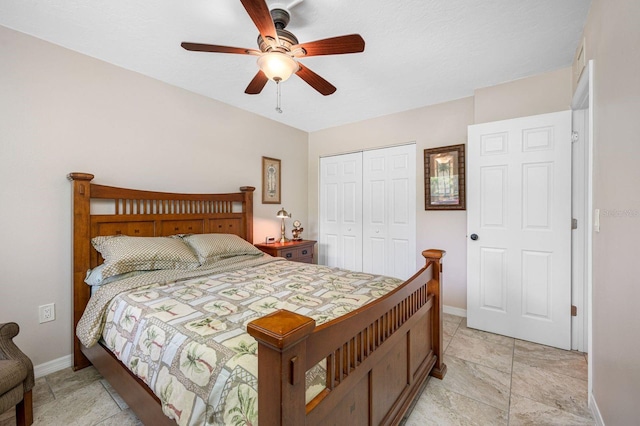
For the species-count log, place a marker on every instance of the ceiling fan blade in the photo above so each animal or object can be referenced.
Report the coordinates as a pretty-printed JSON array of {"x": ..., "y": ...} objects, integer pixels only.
[
  {"x": 351, "y": 43},
  {"x": 257, "y": 84},
  {"x": 259, "y": 13},
  {"x": 315, "y": 81},
  {"x": 199, "y": 47}
]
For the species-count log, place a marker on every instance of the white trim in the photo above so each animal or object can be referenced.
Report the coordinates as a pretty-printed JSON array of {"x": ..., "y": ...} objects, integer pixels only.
[
  {"x": 590, "y": 70},
  {"x": 373, "y": 148},
  {"x": 583, "y": 98},
  {"x": 579, "y": 187},
  {"x": 590, "y": 75},
  {"x": 454, "y": 311},
  {"x": 53, "y": 366},
  {"x": 595, "y": 412}
]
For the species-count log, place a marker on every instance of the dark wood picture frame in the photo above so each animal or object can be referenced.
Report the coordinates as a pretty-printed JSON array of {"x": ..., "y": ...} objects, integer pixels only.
[
  {"x": 271, "y": 180},
  {"x": 444, "y": 178}
]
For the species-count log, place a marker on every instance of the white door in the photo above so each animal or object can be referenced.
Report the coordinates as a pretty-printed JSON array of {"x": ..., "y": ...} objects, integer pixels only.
[
  {"x": 341, "y": 211},
  {"x": 389, "y": 211},
  {"x": 519, "y": 208}
]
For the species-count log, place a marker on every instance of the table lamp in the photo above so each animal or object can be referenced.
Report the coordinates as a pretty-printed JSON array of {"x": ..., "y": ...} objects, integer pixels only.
[{"x": 282, "y": 213}]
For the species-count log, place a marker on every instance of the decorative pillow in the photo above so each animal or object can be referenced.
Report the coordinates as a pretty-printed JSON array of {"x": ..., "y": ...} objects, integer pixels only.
[
  {"x": 213, "y": 247},
  {"x": 94, "y": 276},
  {"x": 123, "y": 254}
]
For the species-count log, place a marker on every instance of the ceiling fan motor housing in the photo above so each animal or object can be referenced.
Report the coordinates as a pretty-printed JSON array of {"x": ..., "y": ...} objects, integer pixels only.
[
  {"x": 287, "y": 39},
  {"x": 280, "y": 18}
]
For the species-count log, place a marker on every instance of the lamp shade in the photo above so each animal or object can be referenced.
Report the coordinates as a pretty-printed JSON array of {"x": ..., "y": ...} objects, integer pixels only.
[
  {"x": 277, "y": 66},
  {"x": 282, "y": 213}
]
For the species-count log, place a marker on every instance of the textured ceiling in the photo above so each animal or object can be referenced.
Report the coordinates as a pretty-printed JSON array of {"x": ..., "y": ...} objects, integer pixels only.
[{"x": 418, "y": 52}]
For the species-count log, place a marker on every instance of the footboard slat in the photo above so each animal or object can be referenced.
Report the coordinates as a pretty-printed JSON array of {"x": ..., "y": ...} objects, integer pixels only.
[{"x": 331, "y": 371}]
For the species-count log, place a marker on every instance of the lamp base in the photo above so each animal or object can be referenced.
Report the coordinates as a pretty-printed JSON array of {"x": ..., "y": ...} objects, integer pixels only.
[{"x": 283, "y": 240}]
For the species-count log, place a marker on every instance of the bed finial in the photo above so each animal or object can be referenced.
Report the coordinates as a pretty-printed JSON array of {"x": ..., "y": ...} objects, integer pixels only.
[{"x": 80, "y": 176}]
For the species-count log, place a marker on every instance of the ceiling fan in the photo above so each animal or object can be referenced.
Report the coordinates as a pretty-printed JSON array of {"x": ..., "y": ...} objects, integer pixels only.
[{"x": 280, "y": 49}]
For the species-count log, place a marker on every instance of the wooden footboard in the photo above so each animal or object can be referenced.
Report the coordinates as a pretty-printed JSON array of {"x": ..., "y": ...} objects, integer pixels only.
[{"x": 377, "y": 357}]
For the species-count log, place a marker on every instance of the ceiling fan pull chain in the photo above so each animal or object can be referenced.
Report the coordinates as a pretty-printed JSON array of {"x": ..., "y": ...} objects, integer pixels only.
[{"x": 278, "y": 109}]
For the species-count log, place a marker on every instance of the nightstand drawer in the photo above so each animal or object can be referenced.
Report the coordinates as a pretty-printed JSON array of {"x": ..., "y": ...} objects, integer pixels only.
[
  {"x": 297, "y": 251},
  {"x": 290, "y": 254},
  {"x": 298, "y": 254},
  {"x": 305, "y": 252}
]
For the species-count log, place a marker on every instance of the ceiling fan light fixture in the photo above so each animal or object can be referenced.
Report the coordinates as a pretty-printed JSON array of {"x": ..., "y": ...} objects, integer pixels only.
[{"x": 277, "y": 66}]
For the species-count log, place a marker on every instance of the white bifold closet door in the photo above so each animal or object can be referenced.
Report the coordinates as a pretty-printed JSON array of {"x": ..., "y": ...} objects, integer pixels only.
[
  {"x": 341, "y": 211},
  {"x": 368, "y": 211}
]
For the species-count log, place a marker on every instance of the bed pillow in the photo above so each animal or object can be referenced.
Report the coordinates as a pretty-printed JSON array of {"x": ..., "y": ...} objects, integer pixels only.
[
  {"x": 94, "y": 276},
  {"x": 124, "y": 254},
  {"x": 213, "y": 247}
]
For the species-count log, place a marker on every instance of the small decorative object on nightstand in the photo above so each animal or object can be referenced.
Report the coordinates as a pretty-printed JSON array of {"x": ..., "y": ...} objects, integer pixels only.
[
  {"x": 297, "y": 230},
  {"x": 299, "y": 251}
]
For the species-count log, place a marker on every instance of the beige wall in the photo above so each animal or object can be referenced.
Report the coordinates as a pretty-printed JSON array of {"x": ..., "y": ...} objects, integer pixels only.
[
  {"x": 540, "y": 94},
  {"x": 612, "y": 38},
  {"x": 61, "y": 112},
  {"x": 433, "y": 126}
]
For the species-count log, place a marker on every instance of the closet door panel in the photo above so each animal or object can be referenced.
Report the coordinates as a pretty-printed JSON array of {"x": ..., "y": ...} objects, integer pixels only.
[
  {"x": 340, "y": 238},
  {"x": 389, "y": 192}
]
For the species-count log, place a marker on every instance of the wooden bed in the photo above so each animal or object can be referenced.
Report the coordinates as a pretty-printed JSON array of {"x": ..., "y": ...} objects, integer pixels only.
[{"x": 378, "y": 357}]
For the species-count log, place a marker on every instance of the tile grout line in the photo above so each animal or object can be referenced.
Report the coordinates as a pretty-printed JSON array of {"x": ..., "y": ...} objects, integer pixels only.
[
  {"x": 112, "y": 398},
  {"x": 546, "y": 371},
  {"x": 513, "y": 356},
  {"x": 470, "y": 397},
  {"x": 480, "y": 365}
]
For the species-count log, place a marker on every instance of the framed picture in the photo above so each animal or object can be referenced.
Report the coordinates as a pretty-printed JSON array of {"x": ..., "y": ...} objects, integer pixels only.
[
  {"x": 444, "y": 186},
  {"x": 271, "y": 171}
]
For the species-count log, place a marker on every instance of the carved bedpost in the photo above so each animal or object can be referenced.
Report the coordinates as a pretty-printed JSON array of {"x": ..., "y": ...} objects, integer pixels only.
[
  {"x": 435, "y": 287},
  {"x": 81, "y": 190},
  {"x": 247, "y": 206},
  {"x": 282, "y": 354}
]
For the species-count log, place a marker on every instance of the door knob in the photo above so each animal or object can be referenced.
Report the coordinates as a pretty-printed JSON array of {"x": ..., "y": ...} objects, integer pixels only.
[{"x": 474, "y": 237}]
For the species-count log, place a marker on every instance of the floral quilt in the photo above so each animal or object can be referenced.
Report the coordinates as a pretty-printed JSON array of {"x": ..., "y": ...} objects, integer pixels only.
[{"x": 187, "y": 339}]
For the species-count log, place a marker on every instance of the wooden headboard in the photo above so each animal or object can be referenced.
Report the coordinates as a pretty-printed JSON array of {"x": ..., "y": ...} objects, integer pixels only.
[{"x": 144, "y": 214}]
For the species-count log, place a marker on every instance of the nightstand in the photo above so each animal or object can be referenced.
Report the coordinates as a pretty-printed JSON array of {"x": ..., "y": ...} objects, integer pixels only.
[{"x": 299, "y": 251}]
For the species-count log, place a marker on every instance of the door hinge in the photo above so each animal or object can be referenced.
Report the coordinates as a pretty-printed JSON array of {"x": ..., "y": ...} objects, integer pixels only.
[
  {"x": 574, "y": 223},
  {"x": 575, "y": 136},
  {"x": 574, "y": 311}
]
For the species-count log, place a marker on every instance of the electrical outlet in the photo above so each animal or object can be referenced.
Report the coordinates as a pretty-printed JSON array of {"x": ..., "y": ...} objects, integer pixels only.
[{"x": 47, "y": 312}]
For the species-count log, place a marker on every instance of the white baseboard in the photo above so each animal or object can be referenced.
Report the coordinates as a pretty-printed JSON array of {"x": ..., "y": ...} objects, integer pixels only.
[
  {"x": 595, "y": 411},
  {"x": 53, "y": 366},
  {"x": 454, "y": 311}
]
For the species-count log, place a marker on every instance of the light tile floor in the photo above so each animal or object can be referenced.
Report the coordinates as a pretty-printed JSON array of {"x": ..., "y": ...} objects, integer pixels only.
[
  {"x": 491, "y": 380},
  {"x": 497, "y": 380}
]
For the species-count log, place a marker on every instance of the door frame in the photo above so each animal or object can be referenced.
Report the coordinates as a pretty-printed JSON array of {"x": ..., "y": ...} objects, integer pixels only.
[{"x": 583, "y": 100}]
